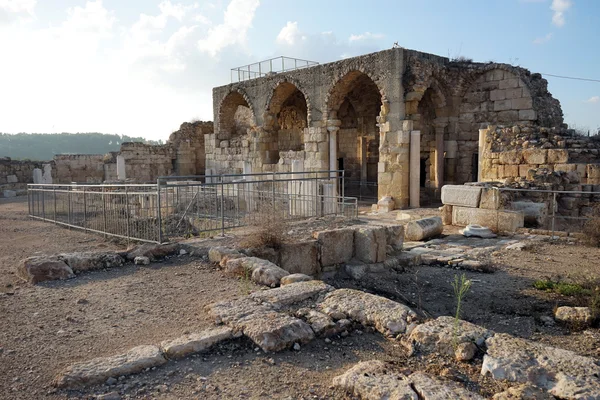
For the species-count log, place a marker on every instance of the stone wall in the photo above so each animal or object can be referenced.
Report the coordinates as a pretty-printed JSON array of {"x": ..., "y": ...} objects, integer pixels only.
[
  {"x": 15, "y": 174},
  {"x": 82, "y": 168}
]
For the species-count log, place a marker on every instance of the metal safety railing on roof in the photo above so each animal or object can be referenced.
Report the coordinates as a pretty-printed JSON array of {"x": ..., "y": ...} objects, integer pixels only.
[{"x": 267, "y": 67}]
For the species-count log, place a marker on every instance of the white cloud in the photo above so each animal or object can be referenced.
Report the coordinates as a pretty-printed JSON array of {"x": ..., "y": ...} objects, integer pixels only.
[
  {"x": 593, "y": 100},
  {"x": 11, "y": 10},
  {"x": 560, "y": 7},
  {"x": 542, "y": 40},
  {"x": 324, "y": 46},
  {"x": 366, "y": 36},
  {"x": 289, "y": 34},
  {"x": 237, "y": 20}
]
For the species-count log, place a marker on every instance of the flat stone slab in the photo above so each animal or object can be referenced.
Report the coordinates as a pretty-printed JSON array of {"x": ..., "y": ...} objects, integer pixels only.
[
  {"x": 268, "y": 329},
  {"x": 81, "y": 262},
  {"x": 260, "y": 271},
  {"x": 438, "y": 335},
  {"x": 563, "y": 373},
  {"x": 292, "y": 293},
  {"x": 378, "y": 380},
  {"x": 459, "y": 195},
  {"x": 375, "y": 380},
  {"x": 295, "y": 278},
  {"x": 153, "y": 251},
  {"x": 98, "y": 370},
  {"x": 433, "y": 388},
  {"x": 40, "y": 269},
  {"x": 322, "y": 324},
  {"x": 301, "y": 257},
  {"x": 387, "y": 316},
  {"x": 195, "y": 342}
]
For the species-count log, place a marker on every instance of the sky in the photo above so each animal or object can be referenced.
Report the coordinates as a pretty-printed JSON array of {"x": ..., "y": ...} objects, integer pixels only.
[{"x": 142, "y": 67}]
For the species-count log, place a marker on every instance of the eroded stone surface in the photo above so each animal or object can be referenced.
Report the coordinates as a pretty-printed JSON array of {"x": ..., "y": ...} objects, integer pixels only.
[
  {"x": 432, "y": 388},
  {"x": 80, "y": 262},
  {"x": 438, "y": 336},
  {"x": 375, "y": 380},
  {"x": 460, "y": 195},
  {"x": 40, "y": 269},
  {"x": 153, "y": 251},
  {"x": 260, "y": 271},
  {"x": 195, "y": 342},
  {"x": 563, "y": 373},
  {"x": 581, "y": 316},
  {"x": 100, "y": 369},
  {"x": 215, "y": 254},
  {"x": 294, "y": 278},
  {"x": 422, "y": 229},
  {"x": 292, "y": 293},
  {"x": 301, "y": 257},
  {"x": 336, "y": 246},
  {"x": 524, "y": 392},
  {"x": 370, "y": 244},
  {"x": 387, "y": 316}
]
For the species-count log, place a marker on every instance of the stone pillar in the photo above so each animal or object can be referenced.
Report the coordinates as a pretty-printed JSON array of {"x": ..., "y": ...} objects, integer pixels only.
[
  {"x": 439, "y": 158},
  {"x": 47, "y": 174},
  {"x": 415, "y": 169},
  {"x": 37, "y": 176},
  {"x": 121, "y": 168},
  {"x": 333, "y": 126},
  {"x": 362, "y": 148},
  {"x": 482, "y": 135}
]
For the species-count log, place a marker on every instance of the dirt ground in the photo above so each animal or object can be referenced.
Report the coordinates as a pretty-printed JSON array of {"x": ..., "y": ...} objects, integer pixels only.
[{"x": 48, "y": 326}]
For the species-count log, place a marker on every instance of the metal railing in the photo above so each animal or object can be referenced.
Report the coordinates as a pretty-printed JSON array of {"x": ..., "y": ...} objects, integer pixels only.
[
  {"x": 362, "y": 190},
  {"x": 555, "y": 210},
  {"x": 270, "y": 66},
  {"x": 125, "y": 211},
  {"x": 183, "y": 206}
]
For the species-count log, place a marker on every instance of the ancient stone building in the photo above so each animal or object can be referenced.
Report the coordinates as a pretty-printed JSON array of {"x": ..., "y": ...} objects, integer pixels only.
[{"x": 405, "y": 121}]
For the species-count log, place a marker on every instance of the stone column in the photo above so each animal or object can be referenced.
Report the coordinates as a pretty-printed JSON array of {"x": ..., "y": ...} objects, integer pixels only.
[
  {"x": 362, "y": 146},
  {"x": 439, "y": 158},
  {"x": 482, "y": 135},
  {"x": 415, "y": 169},
  {"x": 333, "y": 126},
  {"x": 121, "y": 168}
]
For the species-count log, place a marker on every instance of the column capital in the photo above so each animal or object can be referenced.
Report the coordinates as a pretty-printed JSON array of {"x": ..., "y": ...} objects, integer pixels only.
[{"x": 333, "y": 124}]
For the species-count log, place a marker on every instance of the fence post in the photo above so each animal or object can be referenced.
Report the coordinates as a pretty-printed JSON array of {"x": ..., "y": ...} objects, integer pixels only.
[
  {"x": 343, "y": 192},
  {"x": 127, "y": 210},
  {"x": 159, "y": 216},
  {"x": 553, "y": 213},
  {"x": 43, "y": 205},
  {"x": 54, "y": 193},
  {"x": 69, "y": 206},
  {"x": 104, "y": 211},
  {"x": 222, "y": 208},
  {"x": 316, "y": 194},
  {"x": 84, "y": 211}
]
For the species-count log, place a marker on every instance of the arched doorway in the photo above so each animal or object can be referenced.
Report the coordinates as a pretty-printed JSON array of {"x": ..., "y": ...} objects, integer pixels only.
[
  {"x": 236, "y": 121},
  {"x": 286, "y": 119},
  {"x": 354, "y": 105}
]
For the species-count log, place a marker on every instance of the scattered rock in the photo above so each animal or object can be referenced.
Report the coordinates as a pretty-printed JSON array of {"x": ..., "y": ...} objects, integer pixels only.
[
  {"x": 524, "y": 392},
  {"x": 477, "y": 231},
  {"x": 296, "y": 347},
  {"x": 321, "y": 323},
  {"x": 260, "y": 271},
  {"x": 465, "y": 351},
  {"x": 40, "y": 269},
  {"x": 580, "y": 316},
  {"x": 388, "y": 317},
  {"x": 563, "y": 373},
  {"x": 141, "y": 260},
  {"x": 153, "y": 251},
  {"x": 433, "y": 388},
  {"x": 294, "y": 278},
  {"x": 98, "y": 370},
  {"x": 439, "y": 335},
  {"x": 195, "y": 342},
  {"x": 109, "y": 396},
  {"x": 216, "y": 254},
  {"x": 81, "y": 262}
]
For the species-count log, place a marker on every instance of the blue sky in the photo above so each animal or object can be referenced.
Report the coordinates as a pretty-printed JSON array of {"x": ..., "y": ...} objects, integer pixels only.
[{"x": 141, "y": 67}]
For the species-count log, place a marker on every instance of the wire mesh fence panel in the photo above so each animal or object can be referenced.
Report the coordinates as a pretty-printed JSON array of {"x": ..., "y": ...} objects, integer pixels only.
[{"x": 126, "y": 211}]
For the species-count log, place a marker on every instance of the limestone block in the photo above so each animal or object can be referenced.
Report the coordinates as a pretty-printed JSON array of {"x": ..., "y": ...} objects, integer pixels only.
[
  {"x": 504, "y": 221},
  {"x": 37, "y": 176},
  {"x": 386, "y": 204},
  {"x": 580, "y": 316},
  {"x": 563, "y": 373},
  {"x": 509, "y": 83},
  {"x": 460, "y": 195},
  {"x": 370, "y": 244},
  {"x": 533, "y": 213},
  {"x": 300, "y": 257},
  {"x": 502, "y": 105},
  {"x": 292, "y": 293},
  {"x": 195, "y": 342},
  {"x": 498, "y": 94},
  {"x": 511, "y": 171},
  {"x": 558, "y": 156},
  {"x": 14, "y": 179},
  {"x": 294, "y": 278},
  {"x": 446, "y": 214},
  {"x": 423, "y": 229},
  {"x": 593, "y": 171},
  {"x": 81, "y": 262},
  {"x": 336, "y": 246},
  {"x": 9, "y": 193},
  {"x": 395, "y": 236},
  {"x": 40, "y": 269},
  {"x": 527, "y": 115},
  {"x": 535, "y": 156},
  {"x": 511, "y": 157},
  {"x": 387, "y": 316},
  {"x": 524, "y": 103},
  {"x": 100, "y": 369}
]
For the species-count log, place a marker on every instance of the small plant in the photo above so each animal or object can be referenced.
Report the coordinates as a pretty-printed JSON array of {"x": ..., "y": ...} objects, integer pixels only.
[
  {"x": 564, "y": 288},
  {"x": 245, "y": 281},
  {"x": 269, "y": 228},
  {"x": 461, "y": 286}
]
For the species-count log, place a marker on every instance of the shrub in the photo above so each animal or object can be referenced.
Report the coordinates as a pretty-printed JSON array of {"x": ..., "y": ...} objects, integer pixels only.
[{"x": 269, "y": 228}]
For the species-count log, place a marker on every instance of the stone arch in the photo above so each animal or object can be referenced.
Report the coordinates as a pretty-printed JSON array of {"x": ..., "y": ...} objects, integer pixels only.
[
  {"x": 236, "y": 115},
  {"x": 286, "y": 117},
  {"x": 298, "y": 86},
  {"x": 357, "y": 105}
]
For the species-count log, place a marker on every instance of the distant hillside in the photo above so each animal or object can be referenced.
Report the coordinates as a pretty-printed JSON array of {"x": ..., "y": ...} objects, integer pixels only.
[{"x": 43, "y": 146}]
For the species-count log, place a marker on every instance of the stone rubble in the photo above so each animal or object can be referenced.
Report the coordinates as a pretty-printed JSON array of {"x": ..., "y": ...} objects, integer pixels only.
[
  {"x": 40, "y": 269},
  {"x": 294, "y": 278},
  {"x": 141, "y": 260},
  {"x": 292, "y": 294},
  {"x": 258, "y": 270},
  {"x": 580, "y": 316},
  {"x": 153, "y": 251}
]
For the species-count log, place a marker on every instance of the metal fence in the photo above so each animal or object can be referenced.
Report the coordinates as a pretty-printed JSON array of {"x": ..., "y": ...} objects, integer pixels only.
[
  {"x": 270, "y": 66},
  {"x": 184, "y": 206},
  {"x": 363, "y": 191},
  {"x": 554, "y": 210}
]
